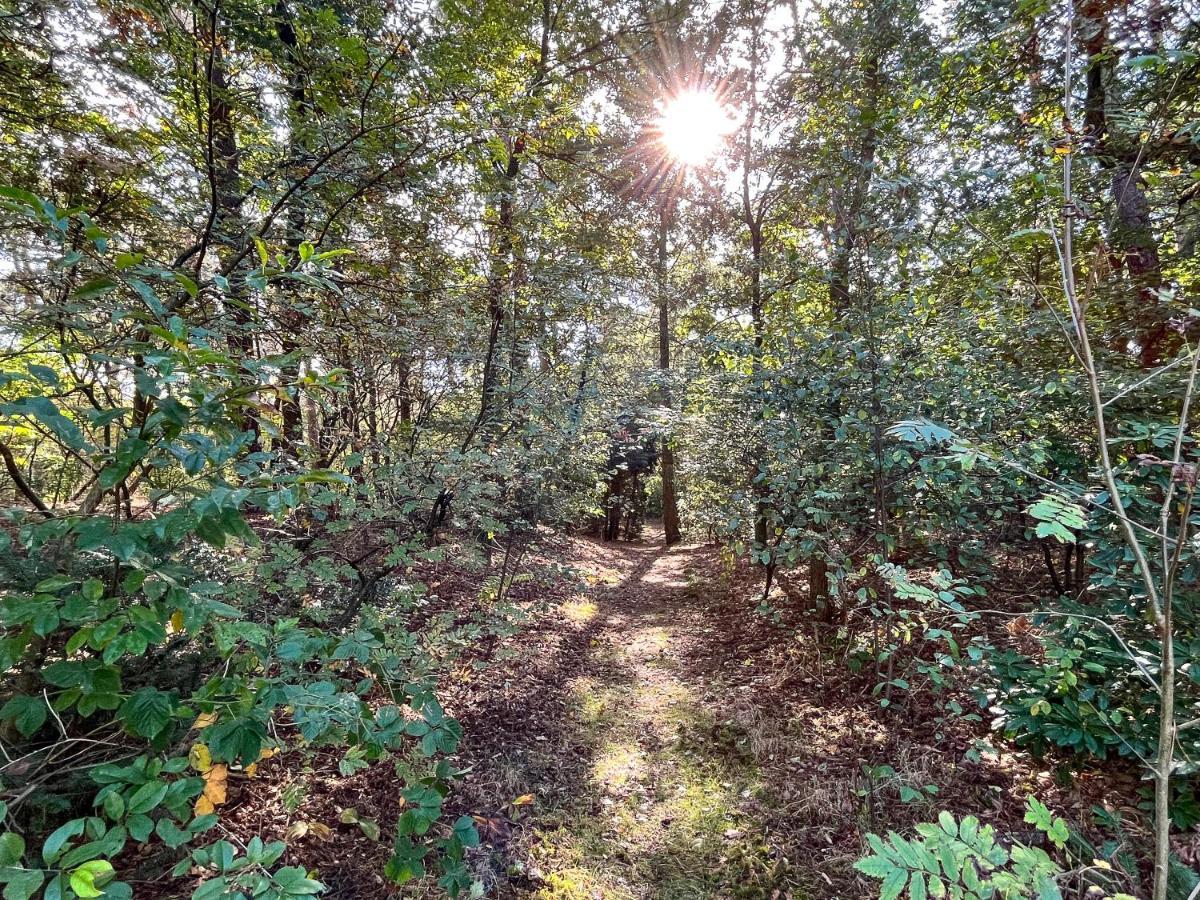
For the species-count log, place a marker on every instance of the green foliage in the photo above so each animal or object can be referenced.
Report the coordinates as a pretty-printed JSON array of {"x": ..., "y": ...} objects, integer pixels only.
[
  {"x": 962, "y": 859},
  {"x": 249, "y": 873},
  {"x": 302, "y": 300},
  {"x": 1057, "y": 518},
  {"x": 100, "y": 598}
]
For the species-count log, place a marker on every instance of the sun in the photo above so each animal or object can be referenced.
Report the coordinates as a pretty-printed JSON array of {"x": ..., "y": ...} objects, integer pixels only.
[{"x": 693, "y": 125}]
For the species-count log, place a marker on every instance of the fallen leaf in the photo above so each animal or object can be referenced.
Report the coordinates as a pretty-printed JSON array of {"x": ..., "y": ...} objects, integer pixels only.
[
  {"x": 199, "y": 758},
  {"x": 204, "y": 720},
  {"x": 216, "y": 783}
]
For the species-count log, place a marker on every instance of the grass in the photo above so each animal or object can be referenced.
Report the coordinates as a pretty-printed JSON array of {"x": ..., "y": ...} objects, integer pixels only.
[
  {"x": 579, "y": 610},
  {"x": 673, "y": 783}
]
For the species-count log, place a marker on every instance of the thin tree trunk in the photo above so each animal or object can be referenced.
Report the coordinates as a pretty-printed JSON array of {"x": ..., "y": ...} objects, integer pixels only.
[
  {"x": 753, "y": 215},
  {"x": 228, "y": 225},
  {"x": 290, "y": 318},
  {"x": 671, "y": 533},
  {"x": 1158, "y": 594}
]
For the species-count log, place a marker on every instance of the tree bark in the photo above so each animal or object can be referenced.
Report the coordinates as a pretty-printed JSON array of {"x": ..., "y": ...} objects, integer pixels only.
[
  {"x": 670, "y": 505},
  {"x": 753, "y": 215},
  {"x": 1133, "y": 243},
  {"x": 228, "y": 224},
  {"x": 291, "y": 319}
]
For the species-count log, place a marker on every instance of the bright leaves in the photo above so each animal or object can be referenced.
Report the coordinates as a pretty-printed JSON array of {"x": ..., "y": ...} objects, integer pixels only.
[{"x": 1057, "y": 518}]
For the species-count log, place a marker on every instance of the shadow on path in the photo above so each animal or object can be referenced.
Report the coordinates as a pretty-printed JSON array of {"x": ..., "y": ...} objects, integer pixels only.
[{"x": 641, "y": 792}]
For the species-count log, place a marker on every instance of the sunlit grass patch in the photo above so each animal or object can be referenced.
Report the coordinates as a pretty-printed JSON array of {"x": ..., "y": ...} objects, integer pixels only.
[
  {"x": 579, "y": 610},
  {"x": 594, "y": 707},
  {"x": 617, "y": 764},
  {"x": 578, "y": 856},
  {"x": 579, "y": 884}
]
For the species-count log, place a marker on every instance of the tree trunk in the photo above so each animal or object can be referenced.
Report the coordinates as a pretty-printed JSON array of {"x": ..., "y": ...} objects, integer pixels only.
[
  {"x": 228, "y": 226},
  {"x": 1133, "y": 243},
  {"x": 753, "y": 213},
  {"x": 670, "y": 505},
  {"x": 291, "y": 320}
]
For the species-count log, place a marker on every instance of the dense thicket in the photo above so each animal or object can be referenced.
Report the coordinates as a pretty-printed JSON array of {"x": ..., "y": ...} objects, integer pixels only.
[{"x": 297, "y": 295}]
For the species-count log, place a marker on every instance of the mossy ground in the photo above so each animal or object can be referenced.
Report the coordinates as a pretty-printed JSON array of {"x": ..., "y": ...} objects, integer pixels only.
[{"x": 664, "y": 801}]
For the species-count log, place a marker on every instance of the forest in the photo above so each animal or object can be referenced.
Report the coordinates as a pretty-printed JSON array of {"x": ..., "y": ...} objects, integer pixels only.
[{"x": 576, "y": 450}]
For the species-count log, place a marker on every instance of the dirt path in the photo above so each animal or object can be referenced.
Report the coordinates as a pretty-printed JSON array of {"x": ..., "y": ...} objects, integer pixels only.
[
  {"x": 641, "y": 792},
  {"x": 644, "y": 734}
]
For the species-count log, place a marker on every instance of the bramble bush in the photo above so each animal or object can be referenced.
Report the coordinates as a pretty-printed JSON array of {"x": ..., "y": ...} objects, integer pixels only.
[{"x": 146, "y": 673}]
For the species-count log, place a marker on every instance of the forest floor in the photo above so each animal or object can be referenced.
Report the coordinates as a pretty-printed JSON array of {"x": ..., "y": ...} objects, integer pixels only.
[{"x": 648, "y": 735}]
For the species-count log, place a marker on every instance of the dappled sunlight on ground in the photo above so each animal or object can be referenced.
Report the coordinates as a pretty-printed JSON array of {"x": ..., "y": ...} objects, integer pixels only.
[
  {"x": 663, "y": 811},
  {"x": 579, "y": 610}
]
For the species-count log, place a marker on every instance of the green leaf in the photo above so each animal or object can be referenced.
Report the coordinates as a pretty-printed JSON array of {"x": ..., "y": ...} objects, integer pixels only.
[
  {"x": 949, "y": 825},
  {"x": 87, "y": 879},
  {"x": 147, "y": 797},
  {"x": 12, "y": 848},
  {"x": 210, "y": 890},
  {"x": 172, "y": 835},
  {"x": 28, "y": 714},
  {"x": 59, "y": 837},
  {"x": 22, "y": 883},
  {"x": 893, "y": 884},
  {"x": 236, "y": 740},
  {"x": 294, "y": 881},
  {"x": 97, "y": 287},
  {"x": 874, "y": 866},
  {"x": 147, "y": 712},
  {"x": 466, "y": 832},
  {"x": 140, "y": 826}
]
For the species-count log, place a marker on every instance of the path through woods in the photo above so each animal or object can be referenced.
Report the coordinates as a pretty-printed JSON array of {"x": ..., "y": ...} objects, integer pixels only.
[
  {"x": 670, "y": 743},
  {"x": 659, "y": 799},
  {"x": 649, "y": 736}
]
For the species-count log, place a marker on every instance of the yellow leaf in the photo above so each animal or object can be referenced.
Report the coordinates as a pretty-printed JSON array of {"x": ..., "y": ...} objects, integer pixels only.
[
  {"x": 199, "y": 758},
  {"x": 267, "y": 753},
  {"x": 523, "y": 800},
  {"x": 251, "y": 770},
  {"x": 296, "y": 830},
  {"x": 204, "y": 806},
  {"x": 216, "y": 783},
  {"x": 176, "y": 624},
  {"x": 322, "y": 832},
  {"x": 204, "y": 720}
]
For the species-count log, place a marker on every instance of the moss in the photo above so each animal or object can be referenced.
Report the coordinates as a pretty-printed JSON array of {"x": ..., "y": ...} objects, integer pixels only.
[{"x": 673, "y": 782}]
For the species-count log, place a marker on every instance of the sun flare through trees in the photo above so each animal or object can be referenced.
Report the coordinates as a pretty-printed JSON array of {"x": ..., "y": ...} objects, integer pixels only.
[{"x": 557, "y": 449}]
